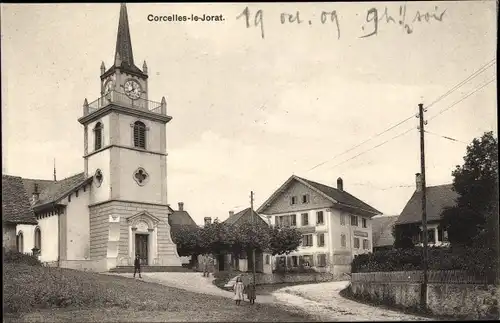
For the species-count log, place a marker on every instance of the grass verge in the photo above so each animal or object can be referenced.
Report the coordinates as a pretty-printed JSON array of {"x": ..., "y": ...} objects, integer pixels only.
[{"x": 44, "y": 294}]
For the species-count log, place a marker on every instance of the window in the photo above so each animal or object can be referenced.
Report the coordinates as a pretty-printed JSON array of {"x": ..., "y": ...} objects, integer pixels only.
[
  {"x": 342, "y": 219},
  {"x": 366, "y": 246},
  {"x": 307, "y": 240},
  {"x": 293, "y": 200},
  {"x": 268, "y": 259},
  {"x": 354, "y": 220},
  {"x": 305, "y": 219},
  {"x": 295, "y": 261},
  {"x": 293, "y": 220},
  {"x": 20, "y": 242},
  {"x": 363, "y": 223},
  {"x": 430, "y": 236},
  {"x": 305, "y": 199},
  {"x": 321, "y": 240},
  {"x": 319, "y": 218},
  {"x": 139, "y": 135},
  {"x": 307, "y": 261},
  {"x": 356, "y": 243},
  {"x": 321, "y": 260},
  {"x": 286, "y": 220},
  {"x": 98, "y": 136},
  {"x": 342, "y": 240},
  {"x": 38, "y": 239}
]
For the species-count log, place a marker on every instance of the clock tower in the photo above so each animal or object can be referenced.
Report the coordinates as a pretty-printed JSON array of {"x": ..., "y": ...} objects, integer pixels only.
[{"x": 125, "y": 153}]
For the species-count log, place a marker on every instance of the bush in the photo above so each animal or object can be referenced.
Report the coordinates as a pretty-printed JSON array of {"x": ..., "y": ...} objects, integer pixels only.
[
  {"x": 476, "y": 261},
  {"x": 16, "y": 257}
]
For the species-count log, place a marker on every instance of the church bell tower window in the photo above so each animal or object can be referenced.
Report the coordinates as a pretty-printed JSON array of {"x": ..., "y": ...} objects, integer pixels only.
[
  {"x": 141, "y": 176},
  {"x": 98, "y": 136},
  {"x": 139, "y": 135}
]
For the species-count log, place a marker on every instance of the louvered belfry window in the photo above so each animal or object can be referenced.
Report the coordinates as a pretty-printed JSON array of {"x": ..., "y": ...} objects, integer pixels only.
[
  {"x": 139, "y": 135},
  {"x": 98, "y": 136}
]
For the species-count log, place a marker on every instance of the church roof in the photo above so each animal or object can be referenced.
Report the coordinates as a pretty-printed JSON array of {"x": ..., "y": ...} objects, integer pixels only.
[
  {"x": 16, "y": 206},
  {"x": 52, "y": 191},
  {"x": 124, "y": 57}
]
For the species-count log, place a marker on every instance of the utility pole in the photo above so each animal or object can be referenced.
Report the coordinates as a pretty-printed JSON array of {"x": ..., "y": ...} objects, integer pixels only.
[
  {"x": 253, "y": 226},
  {"x": 423, "y": 288}
]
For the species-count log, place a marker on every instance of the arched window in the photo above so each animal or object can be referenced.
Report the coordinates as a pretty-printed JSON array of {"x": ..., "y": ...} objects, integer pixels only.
[
  {"x": 139, "y": 135},
  {"x": 98, "y": 136},
  {"x": 38, "y": 239},
  {"x": 20, "y": 242}
]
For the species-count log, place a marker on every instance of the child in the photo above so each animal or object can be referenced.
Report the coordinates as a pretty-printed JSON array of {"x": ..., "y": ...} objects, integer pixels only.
[
  {"x": 251, "y": 293},
  {"x": 238, "y": 290}
]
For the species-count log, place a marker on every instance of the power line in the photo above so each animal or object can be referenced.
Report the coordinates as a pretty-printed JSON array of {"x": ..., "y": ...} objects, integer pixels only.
[
  {"x": 463, "y": 98},
  {"x": 401, "y": 134},
  {"x": 445, "y": 137},
  {"x": 470, "y": 77},
  {"x": 364, "y": 152}
]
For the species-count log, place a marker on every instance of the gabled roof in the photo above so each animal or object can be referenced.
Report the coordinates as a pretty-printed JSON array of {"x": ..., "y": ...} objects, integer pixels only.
[
  {"x": 382, "y": 230},
  {"x": 245, "y": 216},
  {"x": 338, "y": 197},
  {"x": 181, "y": 218},
  {"x": 437, "y": 199},
  {"x": 53, "y": 191},
  {"x": 16, "y": 206}
]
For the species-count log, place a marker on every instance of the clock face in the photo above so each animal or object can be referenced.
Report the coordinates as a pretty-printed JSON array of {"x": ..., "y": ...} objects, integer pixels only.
[{"x": 132, "y": 89}]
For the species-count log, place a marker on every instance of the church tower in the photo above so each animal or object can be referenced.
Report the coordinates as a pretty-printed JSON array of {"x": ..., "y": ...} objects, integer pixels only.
[{"x": 125, "y": 153}]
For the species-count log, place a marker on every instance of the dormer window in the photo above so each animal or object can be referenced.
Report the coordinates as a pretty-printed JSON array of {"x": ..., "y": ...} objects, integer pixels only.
[
  {"x": 139, "y": 135},
  {"x": 98, "y": 136}
]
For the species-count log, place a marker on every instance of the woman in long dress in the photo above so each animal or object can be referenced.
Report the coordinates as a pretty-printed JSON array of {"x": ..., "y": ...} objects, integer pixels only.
[{"x": 238, "y": 290}]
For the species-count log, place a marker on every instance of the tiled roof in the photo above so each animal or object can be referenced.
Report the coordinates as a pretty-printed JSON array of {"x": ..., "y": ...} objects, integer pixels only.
[
  {"x": 51, "y": 191},
  {"x": 181, "y": 218},
  {"x": 16, "y": 206},
  {"x": 382, "y": 230},
  {"x": 342, "y": 196},
  {"x": 437, "y": 198},
  {"x": 244, "y": 216}
]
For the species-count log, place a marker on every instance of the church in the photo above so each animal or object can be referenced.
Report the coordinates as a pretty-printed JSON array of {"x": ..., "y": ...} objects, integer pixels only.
[{"x": 116, "y": 208}]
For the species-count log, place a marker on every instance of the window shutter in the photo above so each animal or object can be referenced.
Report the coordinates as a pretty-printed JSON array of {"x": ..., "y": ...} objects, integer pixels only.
[{"x": 139, "y": 135}]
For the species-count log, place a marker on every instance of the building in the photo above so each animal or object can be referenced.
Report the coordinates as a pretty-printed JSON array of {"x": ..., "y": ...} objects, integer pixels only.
[
  {"x": 382, "y": 231},
  {"x": 244, "y": 263},
  {"x": 336, "y": 226},
  {"x": 16, "y": 212},
  {"x": 117, "y": 206},
  {"x": 178, "y": 219},
  {"x": 437, "y": 199}
]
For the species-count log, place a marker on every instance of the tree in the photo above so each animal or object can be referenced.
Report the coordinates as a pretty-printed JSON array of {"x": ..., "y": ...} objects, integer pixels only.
[
  {"x": 284, "y": 240},
  {"x": 403, "y": 235},
  {"x": 476, "y": 182},
  {"x": 216, "y": 238},
  {"x": 187, "y": 240}
]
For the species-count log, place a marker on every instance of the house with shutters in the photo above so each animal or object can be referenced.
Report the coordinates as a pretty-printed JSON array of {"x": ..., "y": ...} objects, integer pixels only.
[
  {"x": 116, "y": 207},
  {"x": 335, "y": 225}
]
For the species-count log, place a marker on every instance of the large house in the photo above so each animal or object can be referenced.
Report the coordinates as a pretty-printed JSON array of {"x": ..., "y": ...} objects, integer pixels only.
[
  {"x": 437, "y": 199},
  {"x": 117, "y": 206},
  {"x": 16, "y": 212},
  {"x": 335, "y": 225}
]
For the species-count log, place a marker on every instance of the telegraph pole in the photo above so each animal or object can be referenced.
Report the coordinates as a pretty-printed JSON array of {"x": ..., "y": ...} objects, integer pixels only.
[
  {"x": 253, "y": 226},
  {"x": 423, "y": 288}
]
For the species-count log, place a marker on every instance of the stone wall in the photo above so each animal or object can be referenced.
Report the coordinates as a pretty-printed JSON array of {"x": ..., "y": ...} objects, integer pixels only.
[{"x": 402, "y": 289}]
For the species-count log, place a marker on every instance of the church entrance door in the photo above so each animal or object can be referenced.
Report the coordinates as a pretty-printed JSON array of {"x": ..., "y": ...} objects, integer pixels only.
[{"x": 141, "y": 247}]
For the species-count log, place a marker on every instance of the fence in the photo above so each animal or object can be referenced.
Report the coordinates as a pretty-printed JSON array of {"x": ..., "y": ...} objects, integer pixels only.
[{"x": 434, "y": 277}]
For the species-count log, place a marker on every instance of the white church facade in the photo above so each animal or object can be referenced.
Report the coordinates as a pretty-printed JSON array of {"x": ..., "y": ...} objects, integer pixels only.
[{"x": 117, "y": 207}]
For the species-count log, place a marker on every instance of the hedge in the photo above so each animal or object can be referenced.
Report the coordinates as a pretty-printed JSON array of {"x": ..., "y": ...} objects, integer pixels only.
[
  {"x": 16, "y": 257},
  {"x": 476, "y": 261}
]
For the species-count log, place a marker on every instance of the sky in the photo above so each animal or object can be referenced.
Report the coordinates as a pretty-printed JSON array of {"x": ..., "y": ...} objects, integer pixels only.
[{"x": 253, "y": 106}]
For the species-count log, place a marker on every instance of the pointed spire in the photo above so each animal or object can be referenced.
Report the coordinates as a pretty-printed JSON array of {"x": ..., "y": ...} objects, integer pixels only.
[
  {"x": 145, "y": 67},
  {"x": 123, "y": 43},
  {"x": 55, "y": 178},
  {"x": 103, "y": 68}
]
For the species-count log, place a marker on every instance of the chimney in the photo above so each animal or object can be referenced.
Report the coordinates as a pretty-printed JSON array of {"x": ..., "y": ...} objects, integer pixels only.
[
  {"x": 181, "y": 206},
  {"x": 36, "y": 195},
  {"x": 418, "y": 182},
  {"x": 231, "y": 213},
  {"x": 340, "y": 184},
  {"x": 208, "y": 220}
]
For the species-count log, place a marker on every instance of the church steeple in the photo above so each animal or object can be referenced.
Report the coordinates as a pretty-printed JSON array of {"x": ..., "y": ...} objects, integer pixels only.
[
  {"x": 124, "y": 57},
  {"x": 123, "y": 54}
]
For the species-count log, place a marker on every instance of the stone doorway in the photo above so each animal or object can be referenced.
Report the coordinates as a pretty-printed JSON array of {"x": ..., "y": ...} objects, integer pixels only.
[{"x": 141, "y": 247}]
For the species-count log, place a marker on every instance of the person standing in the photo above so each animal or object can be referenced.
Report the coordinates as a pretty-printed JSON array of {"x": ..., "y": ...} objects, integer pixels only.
[
  {"x": 238, "y": 290},
  {"x": 250, "y": 289},
  {"x": 137, "y": 266}
]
